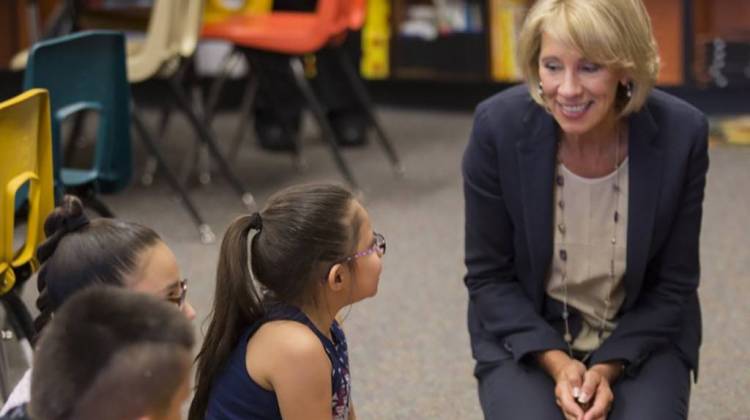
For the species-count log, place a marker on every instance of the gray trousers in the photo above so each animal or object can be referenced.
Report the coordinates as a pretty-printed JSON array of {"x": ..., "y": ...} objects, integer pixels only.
[{"x": 659, "y": 391}]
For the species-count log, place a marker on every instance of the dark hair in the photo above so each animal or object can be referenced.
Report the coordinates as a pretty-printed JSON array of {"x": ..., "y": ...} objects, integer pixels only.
[
  {"x": 110, "y": 353},
  {"x": 79, "y": 253},
  {"x": 302, "y": 231}
]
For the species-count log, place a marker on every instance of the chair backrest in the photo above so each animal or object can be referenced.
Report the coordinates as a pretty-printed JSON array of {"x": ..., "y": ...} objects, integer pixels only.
[
  {"x": 334, "y": 13},
  {"x": 172, "y": 33},
  {"x": 345, "y": 14},
  {"x": 190, "y": 26},
  {"x": 218, "y": 9},
  {"x": 86, "y": 70},
  {"x": 162, "y": 41},
  {"x": 331, "y": 16},
  {"x": 357, "y": 13},
  {"x": 26, "y": 150},
  {"x": 174, "y": 27}
]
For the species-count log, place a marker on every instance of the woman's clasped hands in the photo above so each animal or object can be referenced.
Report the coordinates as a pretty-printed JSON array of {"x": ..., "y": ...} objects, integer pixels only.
[{"x": 581, "y": 393}]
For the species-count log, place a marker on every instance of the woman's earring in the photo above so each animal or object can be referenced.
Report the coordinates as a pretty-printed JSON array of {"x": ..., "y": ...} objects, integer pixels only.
[{"x": 629, "y": 89}]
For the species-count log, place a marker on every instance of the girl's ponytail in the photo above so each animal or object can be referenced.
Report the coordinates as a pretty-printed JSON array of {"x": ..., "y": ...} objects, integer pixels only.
[{"x": 237, "y": 304}]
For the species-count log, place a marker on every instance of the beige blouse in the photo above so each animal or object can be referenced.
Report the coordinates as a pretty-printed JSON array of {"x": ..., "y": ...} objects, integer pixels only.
[{"x": 589, "y": 210}]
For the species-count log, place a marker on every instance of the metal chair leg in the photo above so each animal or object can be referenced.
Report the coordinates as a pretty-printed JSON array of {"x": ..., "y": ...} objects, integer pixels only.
[
  {"x": 152, "y": 164},
  {"x": 205, "y": 136},
  {"x": 228, "y": 64},
  {"x": 5, "y": 382},
  {"x": 62, "y": 19},
  {"x": 17, "y": 328},
  {"x": 246, "y": 110},
  {"x": 257, "y": 67},
  {"x": 202, "y": 159},
  {"x": 87, "y": 193},
  {"x": 317, "y": 109},
  {"x": 74, "y": 141},
  {"x": 18, "y": 316},
  {"x": 206, "y": 234},
  {"x": 92, "y": 201},
  {"x": 363, "y": 97}
]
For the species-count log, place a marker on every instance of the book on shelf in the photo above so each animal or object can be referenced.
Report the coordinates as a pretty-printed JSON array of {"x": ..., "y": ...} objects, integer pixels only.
[{"x": 506, "y": 19}]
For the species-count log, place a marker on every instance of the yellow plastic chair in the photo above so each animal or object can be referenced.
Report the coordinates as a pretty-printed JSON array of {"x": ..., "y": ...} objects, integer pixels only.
[
  {"x": 26, "y": 150},
  {"x": 25, "y": 160}
]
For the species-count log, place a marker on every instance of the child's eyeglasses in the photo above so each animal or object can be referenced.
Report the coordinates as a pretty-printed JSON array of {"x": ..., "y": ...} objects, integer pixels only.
[
  {"x": 378, "y": 245},
  {"x": 179, "y": 300}
]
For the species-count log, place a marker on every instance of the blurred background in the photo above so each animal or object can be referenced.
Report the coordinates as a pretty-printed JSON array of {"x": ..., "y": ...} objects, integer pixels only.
[{"x": 379, "y": 98}]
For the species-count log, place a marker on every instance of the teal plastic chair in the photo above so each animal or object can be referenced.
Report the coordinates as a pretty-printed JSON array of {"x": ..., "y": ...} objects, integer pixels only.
[{"x": 86, "y": 71}]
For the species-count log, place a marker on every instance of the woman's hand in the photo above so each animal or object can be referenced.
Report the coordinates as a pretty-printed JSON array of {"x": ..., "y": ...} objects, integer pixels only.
[
  {"x": 568, "y": 374},
  {"x": 596, "y": 394}
]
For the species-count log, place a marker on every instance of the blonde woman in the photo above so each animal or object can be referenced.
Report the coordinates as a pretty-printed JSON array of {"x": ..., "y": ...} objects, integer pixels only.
[{"x": 584, "y": 191}]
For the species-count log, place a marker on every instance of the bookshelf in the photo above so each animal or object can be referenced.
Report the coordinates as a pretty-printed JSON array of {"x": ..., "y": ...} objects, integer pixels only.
[
  {"x": 480, "y": 48},
  {"x": 440, "y": 43},
  {"x": 15, "y": 33},
  {"x": 721, "y": 43}
]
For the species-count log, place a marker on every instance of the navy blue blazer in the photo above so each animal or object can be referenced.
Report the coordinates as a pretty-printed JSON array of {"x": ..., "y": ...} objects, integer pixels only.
[{"x": 508, "y": 171}]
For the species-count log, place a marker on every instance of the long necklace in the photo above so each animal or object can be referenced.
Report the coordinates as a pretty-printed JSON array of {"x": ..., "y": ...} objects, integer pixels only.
[{"x": 563, "y": 253}]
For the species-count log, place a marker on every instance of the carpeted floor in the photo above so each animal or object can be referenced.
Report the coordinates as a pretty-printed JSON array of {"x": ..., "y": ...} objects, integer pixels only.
[{"x": 409, "y": 346}]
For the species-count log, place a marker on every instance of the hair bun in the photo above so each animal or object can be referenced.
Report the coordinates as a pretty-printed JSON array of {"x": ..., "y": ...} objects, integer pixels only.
[{"x": 66, "y": 218}]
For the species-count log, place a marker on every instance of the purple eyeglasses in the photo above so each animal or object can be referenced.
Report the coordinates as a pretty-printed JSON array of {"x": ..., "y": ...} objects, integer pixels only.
[{"x": 378, "y": 245}]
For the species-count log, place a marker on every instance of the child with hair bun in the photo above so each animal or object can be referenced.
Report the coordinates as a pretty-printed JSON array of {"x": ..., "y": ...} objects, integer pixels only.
[{"x": 79, "y": 253}]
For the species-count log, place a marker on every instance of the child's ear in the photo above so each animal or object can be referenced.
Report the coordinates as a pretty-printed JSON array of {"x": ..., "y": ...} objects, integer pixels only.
[{"x": 336, "y": 276}]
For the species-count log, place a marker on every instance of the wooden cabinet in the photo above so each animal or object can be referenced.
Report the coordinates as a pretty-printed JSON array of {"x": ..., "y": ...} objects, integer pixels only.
[
  {"x": 14, "y": 25},
  {"x": 14, "y": 32},
  {"x": 723, "y": 18},
  {"x": 667, "y": 20}
]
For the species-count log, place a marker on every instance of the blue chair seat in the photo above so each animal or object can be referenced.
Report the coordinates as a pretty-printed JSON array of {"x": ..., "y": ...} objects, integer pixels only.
[{"x": 78, "y": 177}]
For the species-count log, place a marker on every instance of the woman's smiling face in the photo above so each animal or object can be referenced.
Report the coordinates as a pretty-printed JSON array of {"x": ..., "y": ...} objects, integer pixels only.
[{"x": 579, "y": 93}]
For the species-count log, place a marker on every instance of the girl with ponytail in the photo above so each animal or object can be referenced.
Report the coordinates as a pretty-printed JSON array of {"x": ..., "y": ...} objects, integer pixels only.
[
  {"x": 79, "y": 253},
  {"x": 273, "y": 348}
]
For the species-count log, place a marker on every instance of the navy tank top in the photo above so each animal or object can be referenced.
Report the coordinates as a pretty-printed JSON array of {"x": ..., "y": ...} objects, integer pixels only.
[{"x": 235, "y": 395}]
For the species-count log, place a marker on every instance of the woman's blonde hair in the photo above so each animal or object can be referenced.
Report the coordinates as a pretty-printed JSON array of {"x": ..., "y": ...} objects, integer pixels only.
[{"x": 614, "y": 33}]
